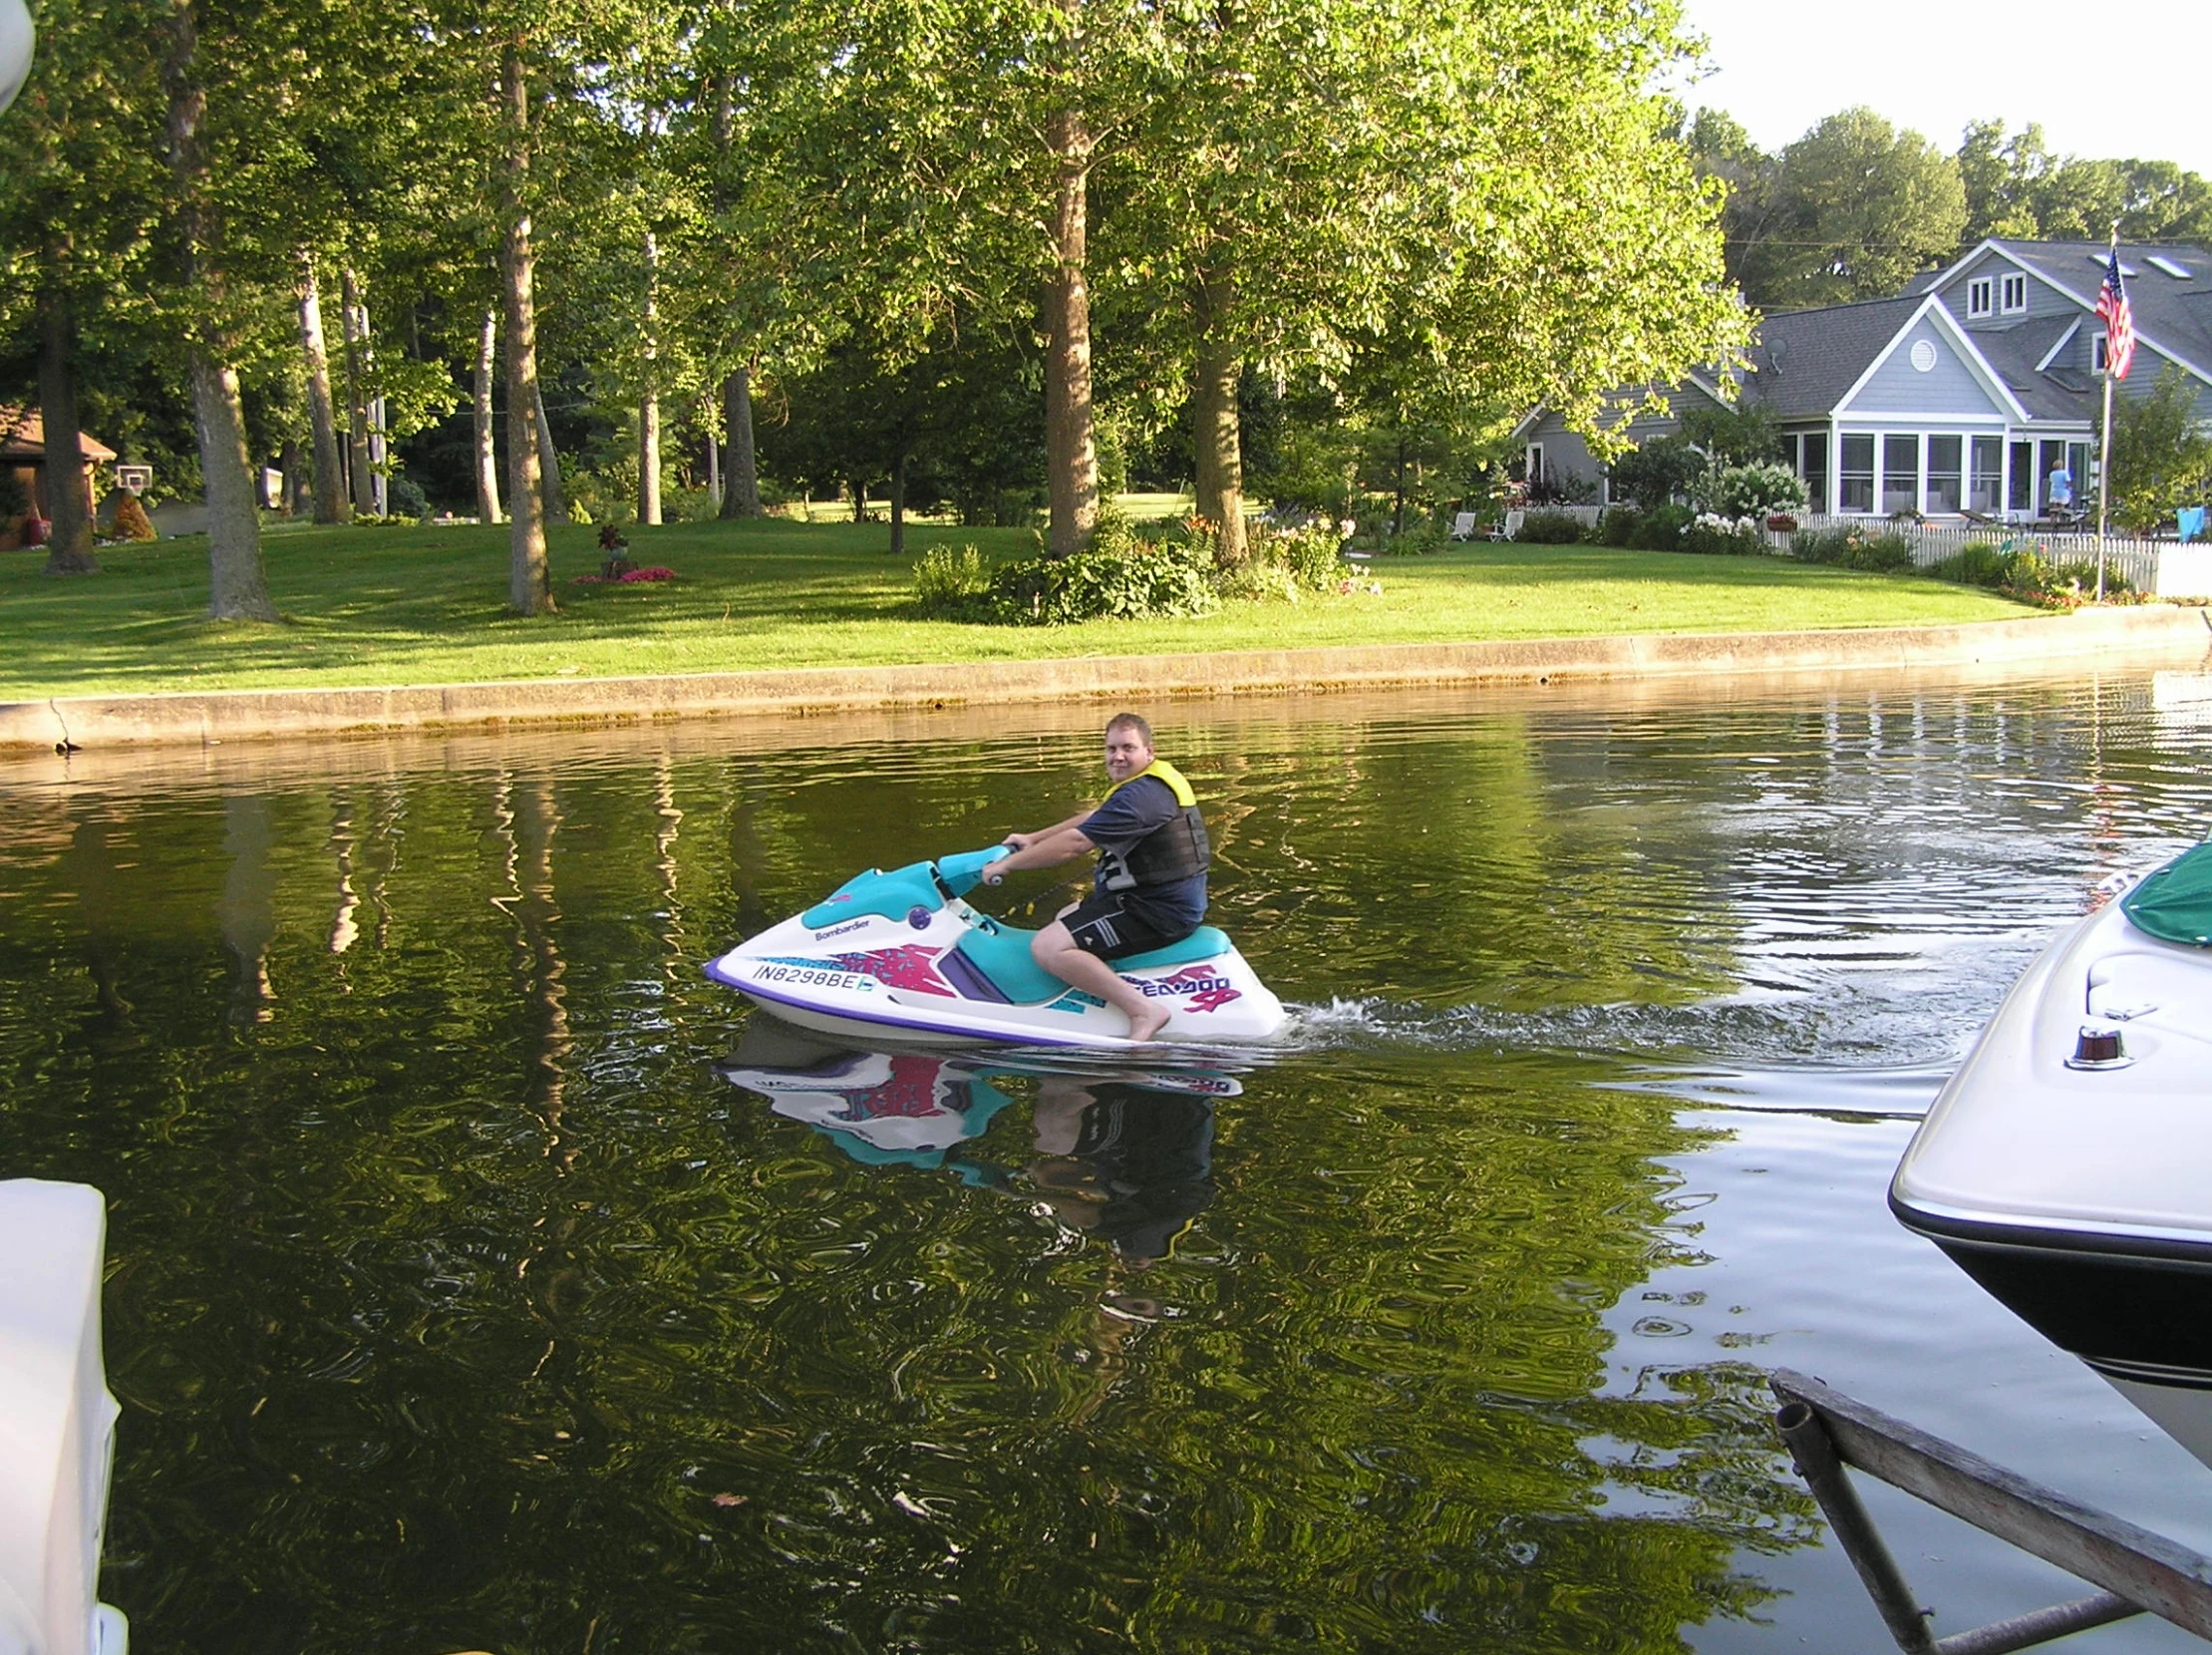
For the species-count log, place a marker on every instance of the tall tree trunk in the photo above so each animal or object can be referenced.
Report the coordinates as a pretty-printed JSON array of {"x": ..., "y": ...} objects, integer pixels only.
[
  {"x": 488, "y": 450},
  {"x": 358, "y": 473},
  {"x": 529, "y": 572},
  {"x": 238, "y": 590},
  {"x": 1071, "y": 444},
  {"x": 899, "y": 503},
  {"x": 714, "y": 471},
  {"x": 741, "y": 490},
  {"x": 649, "y": 394},
  {"x": 548, "y": 463},
  {"x": 69, "y": 552},
  {"x": 1220, "y": 479},
  {"x": 287, "y": 467},
  {"x": 331, "y": 504},
  {"x": 1397, "y": 517}
]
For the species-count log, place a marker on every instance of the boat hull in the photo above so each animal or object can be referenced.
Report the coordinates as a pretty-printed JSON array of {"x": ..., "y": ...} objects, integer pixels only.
[{"x": 2079, "y": 1194}]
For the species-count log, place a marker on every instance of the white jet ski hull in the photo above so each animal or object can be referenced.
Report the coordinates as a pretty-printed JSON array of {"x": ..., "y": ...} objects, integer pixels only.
[
  {"x": 2076, "y": 1188},
  {"x": 916, "y": 964}
]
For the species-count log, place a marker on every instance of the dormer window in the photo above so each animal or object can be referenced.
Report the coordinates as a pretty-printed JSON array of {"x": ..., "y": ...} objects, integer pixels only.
[
  {"x": 2096, "y": 351},
  {"x": 1977, "y": 295},
  {"x": 2014, "y": 294}
]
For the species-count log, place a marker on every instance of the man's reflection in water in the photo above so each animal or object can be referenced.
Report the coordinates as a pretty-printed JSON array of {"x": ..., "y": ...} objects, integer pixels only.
[{"x": 1122, "y": 1162}]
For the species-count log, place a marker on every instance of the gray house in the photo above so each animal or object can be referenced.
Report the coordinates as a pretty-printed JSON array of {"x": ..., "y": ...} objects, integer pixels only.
[{"x": 1961, "y": 396}]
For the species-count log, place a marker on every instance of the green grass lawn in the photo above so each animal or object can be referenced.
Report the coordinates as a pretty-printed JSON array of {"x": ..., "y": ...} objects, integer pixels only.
[{"x": 423, "y": 605}]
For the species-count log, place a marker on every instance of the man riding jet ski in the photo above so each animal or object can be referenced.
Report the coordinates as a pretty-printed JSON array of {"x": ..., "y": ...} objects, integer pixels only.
[
  {"x": 901, "y": 953},
  {"x": 1151, "y": 882}
]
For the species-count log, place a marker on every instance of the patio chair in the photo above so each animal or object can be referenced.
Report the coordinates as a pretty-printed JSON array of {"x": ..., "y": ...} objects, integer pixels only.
[{"x": 1463, "y": 527}]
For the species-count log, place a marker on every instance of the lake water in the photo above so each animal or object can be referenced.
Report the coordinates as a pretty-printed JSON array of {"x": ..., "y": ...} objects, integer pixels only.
[{"x": 462, "y": 1297}]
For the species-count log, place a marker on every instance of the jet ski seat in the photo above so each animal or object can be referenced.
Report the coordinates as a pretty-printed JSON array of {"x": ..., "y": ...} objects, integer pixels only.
[{"x": 1002, "y": 968}]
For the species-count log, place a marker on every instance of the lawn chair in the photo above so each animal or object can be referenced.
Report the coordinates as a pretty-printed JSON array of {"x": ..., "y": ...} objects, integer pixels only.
[{"x": 1463, "y": 527}]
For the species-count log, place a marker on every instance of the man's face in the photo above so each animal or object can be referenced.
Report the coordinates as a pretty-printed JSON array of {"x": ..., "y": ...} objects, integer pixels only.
[{"x": 1126, "y": 753}]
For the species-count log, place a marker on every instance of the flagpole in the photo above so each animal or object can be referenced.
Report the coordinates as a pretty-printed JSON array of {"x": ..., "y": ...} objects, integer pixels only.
[{"x": 2103, "y": 480}]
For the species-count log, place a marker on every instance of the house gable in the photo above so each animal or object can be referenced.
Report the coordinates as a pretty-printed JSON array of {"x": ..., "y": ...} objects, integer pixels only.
[{"x": 1931, "y": 369}]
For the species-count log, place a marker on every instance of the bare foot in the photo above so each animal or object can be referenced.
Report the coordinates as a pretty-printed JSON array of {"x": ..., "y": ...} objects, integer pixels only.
[{"x": 1147, "y": 1023}]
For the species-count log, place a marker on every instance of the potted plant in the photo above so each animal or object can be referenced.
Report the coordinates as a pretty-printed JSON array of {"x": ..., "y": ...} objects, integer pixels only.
[{"x": 1781, "y": 523}]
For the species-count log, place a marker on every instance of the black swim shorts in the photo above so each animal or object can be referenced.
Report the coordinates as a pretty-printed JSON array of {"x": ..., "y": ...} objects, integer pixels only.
[{"x": 1106, "y": 925}]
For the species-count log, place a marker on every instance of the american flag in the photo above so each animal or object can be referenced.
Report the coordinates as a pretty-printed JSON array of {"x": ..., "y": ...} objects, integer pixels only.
[{"x": 2119, "y": 321}]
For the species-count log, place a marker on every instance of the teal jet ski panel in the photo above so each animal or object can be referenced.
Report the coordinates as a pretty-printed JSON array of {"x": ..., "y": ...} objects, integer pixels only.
[
  {"x": 891, "y": 896},
  {"x": 1000, "y": 954},
  {"x": 2174, "y": 904}
]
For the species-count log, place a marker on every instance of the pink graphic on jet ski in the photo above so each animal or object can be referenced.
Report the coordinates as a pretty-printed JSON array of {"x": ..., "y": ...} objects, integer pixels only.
[{"x": 907, "y": 967}]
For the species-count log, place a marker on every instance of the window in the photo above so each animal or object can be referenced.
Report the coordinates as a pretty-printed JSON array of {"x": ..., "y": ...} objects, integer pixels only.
[
  {"x": 1814, "y": 467},
  {"x": 2179, "y": 272},
  {"x": 1978, "y": 297},
  {"x": 2097, "y": 344},
  {"x": 2015, "y": 293},
  {"x": 2020, "y": 494},
  {"x": 1943, "y": 473},
  {"x": 1900, "y": 473},
  {"x": 1857, "y": 475},
  {"x": 1535, "y": 471},
  {"x": 1986, "y": 483}
]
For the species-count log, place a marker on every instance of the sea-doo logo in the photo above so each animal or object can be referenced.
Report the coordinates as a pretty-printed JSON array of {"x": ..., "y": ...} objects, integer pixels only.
[
  {"x": 1208, "y": 990},
  {"x": 839, "y": 930}
]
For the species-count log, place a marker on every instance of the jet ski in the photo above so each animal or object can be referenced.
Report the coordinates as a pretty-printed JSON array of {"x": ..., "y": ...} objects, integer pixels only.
[
  {"x": 2067, "y": 1165},
  {"x": 901, "y": 954}
]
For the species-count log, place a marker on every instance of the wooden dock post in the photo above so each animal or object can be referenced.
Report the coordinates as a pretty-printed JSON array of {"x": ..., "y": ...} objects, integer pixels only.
[{"x": 1827, "y": 1430}]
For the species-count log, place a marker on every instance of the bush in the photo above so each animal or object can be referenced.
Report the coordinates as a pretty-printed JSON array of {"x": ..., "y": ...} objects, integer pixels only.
[
  {"x": 1619, "y": 526},
  {"x": 1712, "y": 535},
  {"x": 1853, "y": 549},
  {"x": 949, "y": 581},
  {"x": 1976, "y": 563},
  {"x": 130, "y": 521},
  {"x": 405, "y": 499},
  {"x": 1751, "y": 491},
  {"x": 1168, "y": 580},
  {"x": 1662, "y": 530},
  {"x": 1549, "y": 529}
]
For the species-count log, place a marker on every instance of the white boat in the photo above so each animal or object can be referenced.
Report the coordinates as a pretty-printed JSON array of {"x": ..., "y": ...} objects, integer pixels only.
[
  {"x": 901, "y": 955},
  {"x": 2067, "y": 1165},
  {"x": 56, "y": 1422}
]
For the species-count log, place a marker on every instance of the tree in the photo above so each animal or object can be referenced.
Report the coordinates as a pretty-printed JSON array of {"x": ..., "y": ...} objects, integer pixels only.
[
  {"x": 1860, "y": 207},
  {"x": 1489, "y": 201},
  {"x": 2161, "y": 458},
  {"x": 79, "y": 193}
]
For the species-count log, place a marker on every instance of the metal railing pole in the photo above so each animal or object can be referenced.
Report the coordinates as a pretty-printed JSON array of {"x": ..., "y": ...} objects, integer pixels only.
[{"x": 1817, "y": 1463}]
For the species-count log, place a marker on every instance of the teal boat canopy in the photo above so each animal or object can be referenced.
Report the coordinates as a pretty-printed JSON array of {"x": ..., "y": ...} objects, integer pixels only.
[{"x": 2174, "y": 904}]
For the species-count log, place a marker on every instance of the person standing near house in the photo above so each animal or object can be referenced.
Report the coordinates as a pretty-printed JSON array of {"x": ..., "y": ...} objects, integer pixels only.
[{"x": 2061, "y": 489}]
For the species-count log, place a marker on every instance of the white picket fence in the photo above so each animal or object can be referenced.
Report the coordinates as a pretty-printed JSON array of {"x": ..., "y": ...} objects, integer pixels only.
[{"x": 2161, "y": 568}]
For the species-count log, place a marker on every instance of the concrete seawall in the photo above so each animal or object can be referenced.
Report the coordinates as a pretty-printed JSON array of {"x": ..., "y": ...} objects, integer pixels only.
[{"x": 228, "y": 716}]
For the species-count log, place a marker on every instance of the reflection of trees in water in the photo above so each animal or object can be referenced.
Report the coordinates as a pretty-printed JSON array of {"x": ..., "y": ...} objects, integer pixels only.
[
  {"x": 508, "y": 1292},
  {"x": 249, "y": 908}
]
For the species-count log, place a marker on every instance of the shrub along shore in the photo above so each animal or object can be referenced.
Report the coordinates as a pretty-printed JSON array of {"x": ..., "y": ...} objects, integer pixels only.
[{"x": 388, "y": 605}]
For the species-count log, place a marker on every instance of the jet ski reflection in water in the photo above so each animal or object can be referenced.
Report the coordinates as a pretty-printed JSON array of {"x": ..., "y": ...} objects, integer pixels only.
[
  {"x": 902, "y": 956},
  {"x": 1123, "y": 1155}
]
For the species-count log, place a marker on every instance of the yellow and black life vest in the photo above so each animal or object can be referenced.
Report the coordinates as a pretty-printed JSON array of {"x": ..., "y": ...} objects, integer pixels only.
[{"x": 1176, "y": 850}]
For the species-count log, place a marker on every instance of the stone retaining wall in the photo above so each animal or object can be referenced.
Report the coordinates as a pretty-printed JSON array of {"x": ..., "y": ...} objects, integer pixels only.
[{"x": 90, "y": 722}]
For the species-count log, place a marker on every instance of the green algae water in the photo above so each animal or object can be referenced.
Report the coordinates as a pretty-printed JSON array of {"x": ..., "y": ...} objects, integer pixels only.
[{"x": 482, "y": 1278}]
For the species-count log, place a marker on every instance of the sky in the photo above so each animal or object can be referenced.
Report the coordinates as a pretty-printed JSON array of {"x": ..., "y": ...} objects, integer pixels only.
[{"x": 1935, "y": 65}]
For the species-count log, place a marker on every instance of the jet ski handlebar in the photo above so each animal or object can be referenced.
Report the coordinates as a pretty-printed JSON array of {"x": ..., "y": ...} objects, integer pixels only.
[{"x": 959, "y": 872}]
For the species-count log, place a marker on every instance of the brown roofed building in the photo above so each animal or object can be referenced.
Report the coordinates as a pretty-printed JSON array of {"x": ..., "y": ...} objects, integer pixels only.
[{"x": 23, "y": 452}]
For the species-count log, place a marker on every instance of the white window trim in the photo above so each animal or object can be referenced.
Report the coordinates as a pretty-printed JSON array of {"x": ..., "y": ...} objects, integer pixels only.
[
  {"x": 1875, "y": 472},
  {"x": 1981, "y": 296},
  {"x": 2014, "y": 282},
  {"x": 2097, "y": 346}
]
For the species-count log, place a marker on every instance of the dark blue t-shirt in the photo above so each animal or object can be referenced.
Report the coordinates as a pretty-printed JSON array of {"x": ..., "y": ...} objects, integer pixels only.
[{"x": 1143, "y": 807}]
